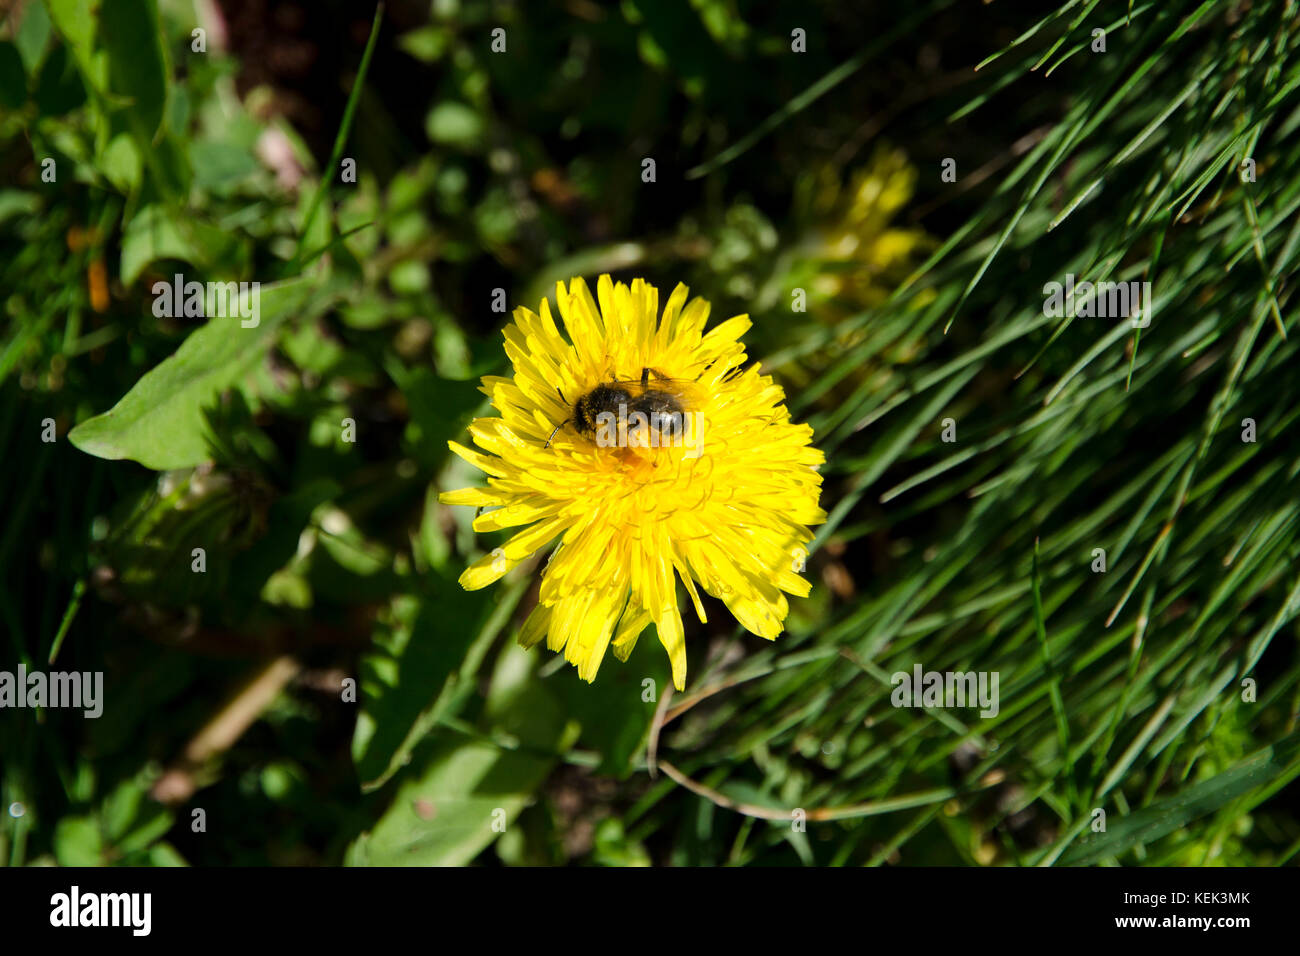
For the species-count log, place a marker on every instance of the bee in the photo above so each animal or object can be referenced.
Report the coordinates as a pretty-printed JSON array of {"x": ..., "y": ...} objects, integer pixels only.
[{"x": 664, "y": 400}]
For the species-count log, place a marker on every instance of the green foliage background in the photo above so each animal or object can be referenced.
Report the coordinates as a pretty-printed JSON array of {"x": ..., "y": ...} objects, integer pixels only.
[{"x": 1125, "y": 690}]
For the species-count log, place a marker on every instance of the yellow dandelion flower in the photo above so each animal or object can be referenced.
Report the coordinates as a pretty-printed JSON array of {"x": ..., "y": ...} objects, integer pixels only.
[{"x": 718, "y": 488}]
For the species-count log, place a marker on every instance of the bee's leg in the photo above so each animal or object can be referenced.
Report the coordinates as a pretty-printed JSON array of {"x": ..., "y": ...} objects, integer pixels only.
[
  {"x": 560, "y": 392},
  {"x": 478, "y": 511},
  {"x": 645, "y": 378},
  {"x": 553, "y": 431}
]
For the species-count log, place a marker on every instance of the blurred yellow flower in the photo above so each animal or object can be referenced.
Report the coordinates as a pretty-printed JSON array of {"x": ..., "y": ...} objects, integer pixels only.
[
  {"x": 726, "y": 505},
  {"x": 854, "y": 258}
]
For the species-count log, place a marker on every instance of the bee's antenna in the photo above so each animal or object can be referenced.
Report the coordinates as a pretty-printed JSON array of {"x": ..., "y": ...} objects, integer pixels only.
[{"x": 554, "y": 430}]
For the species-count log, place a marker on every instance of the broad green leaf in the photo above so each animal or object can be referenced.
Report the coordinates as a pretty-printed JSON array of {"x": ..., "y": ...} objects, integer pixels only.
[
  {"x": 421, "y": 667},
  {"x": 617, "y": 708},
  {"x": 219, "y": 164},
  {"x": 469, "y": 790},
  {"x": 14, "y": 203},
  {"x": 33, "y": 35},
  {"x": 159, "y": 423},
  {"x": 455, "y": 124},
  {"x": 137, "y": 65},
  {"x": 121, "y": 162},
  {"x": 76, "y": 23},
  {"x": 285, "y": 522},
  {"x": 77, "y": 842},
  {"x": 164, "y": 854},
  {"x": 445, "y": 817},
  {"x": 157, "y": 232},
  {"x": 440, "y": 410},
  {"x": 426, "y": 44}
]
